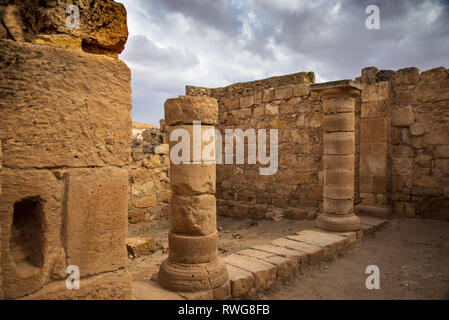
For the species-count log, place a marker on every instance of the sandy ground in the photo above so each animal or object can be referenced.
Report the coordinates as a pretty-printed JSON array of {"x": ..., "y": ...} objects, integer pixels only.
[{"x": 412, "y": 255}]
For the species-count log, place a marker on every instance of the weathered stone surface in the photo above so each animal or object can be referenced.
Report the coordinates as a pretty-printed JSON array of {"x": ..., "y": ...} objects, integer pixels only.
[
  {"x": 375, "y": 92},
  {"x": 193, "y": 179},
  {"x": 406, "y": 76},
  {"x": 338, "y": 193},
  {"x": 338, "y": 105},
  {"x": 296, "y": 213},
  {"x": 106, "y": 286},
  {"x": 242, "y": 281},
  {"x": 96, "y": 219},
  {"x": 102, "y": 26},
  {"x": 283, "y": 93},
  {"x": 38, "y": 123},
  {"x": 374, "y": 130},
  {"x": 192, "y": 277},
  {"x": 35, "y": 198},
  {"x": 264, "y": 273},
  {"x": 192, "y": 249},
  {"x": 162, "y": 149},
  {"x": 301, "y": 90},
  {"x": 314, "y": 253},
  {"x": 339, "y": 223},
  {"x": 402, "y": 116},
  {"x": 339, "y": 178},
  {"x": 299, "y": 258},
  {"x": 339, "y": 122},
  {"x": 186, "y": 109},
  {"x": 195, "y": 215},
  {"x": 339, "y": 143},
  {"x": 343, "y": 162},
  {"x": 140, "y": 246},
  {"x": 343, "y": 207}
]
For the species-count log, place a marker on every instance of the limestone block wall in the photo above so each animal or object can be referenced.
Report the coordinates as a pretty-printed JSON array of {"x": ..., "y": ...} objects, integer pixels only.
[
  {"x": 150, "y": 192},
  {"x": 405, "y": 138},
  {"x": 420, "y": 143},
  {"x": 65, "y": 128},
  {"x": 283, "y": 103}
]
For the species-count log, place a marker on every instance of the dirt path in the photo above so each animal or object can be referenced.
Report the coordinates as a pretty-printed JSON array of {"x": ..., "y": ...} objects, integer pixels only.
[{"x": 412, "y": 255}]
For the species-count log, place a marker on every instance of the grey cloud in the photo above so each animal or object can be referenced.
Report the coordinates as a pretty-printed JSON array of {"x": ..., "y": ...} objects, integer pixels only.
[
  {"x": 142, "y": 50},
  {"x": 208, "y": 46}
]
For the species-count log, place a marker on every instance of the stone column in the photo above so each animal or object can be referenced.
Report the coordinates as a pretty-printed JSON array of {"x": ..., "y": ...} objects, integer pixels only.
[
  {"x": 338, "y": 155},
  {"x": 193, "y": 264}
]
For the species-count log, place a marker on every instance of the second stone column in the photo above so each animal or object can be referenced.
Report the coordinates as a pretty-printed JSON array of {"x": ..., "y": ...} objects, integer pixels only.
[
  {"x": 193, "y": 264},
  {"x": 338, "y": 155}
]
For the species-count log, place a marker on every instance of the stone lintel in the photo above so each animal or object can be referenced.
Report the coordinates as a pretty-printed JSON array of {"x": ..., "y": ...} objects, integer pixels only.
[{"x": 337, "y": 88}]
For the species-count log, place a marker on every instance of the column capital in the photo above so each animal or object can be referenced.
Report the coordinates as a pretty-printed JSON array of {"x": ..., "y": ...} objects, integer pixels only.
[{"x": 342, "y": 88}]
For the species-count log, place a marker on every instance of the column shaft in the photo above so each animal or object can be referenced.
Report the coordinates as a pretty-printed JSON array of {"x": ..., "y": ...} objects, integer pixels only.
[{"x": 193, "y": 264}]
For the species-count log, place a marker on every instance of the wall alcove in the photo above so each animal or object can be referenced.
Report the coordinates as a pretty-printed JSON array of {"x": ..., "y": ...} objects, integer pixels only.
[{"x": 26, "y": 240}]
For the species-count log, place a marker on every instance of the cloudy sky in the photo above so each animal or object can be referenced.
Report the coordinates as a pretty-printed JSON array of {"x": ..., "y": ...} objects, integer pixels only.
[{"x": 214, "y": 43}]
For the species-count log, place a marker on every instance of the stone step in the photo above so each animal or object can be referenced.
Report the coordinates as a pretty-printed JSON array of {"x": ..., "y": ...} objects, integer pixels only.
[{"x": 254, "y": 270}]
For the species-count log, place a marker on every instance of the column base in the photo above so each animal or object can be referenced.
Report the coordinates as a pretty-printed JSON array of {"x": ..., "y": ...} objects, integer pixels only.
[
  {"x": 340, "y": 223},
  {"x": 192, "y": 277}
]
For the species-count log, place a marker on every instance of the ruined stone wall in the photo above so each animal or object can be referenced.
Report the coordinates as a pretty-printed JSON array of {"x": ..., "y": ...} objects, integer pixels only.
[
  {"x": 65, "y": 127},
  {"x": 405, "y": 141},
  {"x": 283, "y": 103},
  {"x": 150, "y": 192},
  {"x": 420, "y": 143}
]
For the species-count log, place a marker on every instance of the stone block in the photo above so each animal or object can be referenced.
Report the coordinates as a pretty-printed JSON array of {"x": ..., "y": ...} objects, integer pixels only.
[
  {"x": 140, "y": 246},
  {"x": 378, "y": 91},
  {"x": 300, "y": 90},
  {"x": 321, "y": 239},
  {"x": 192, "y": 249},
  {"x": 246, "y": 102},
  {"x": 31, "y": 222},
  {"x": 406, "y": 76},
  {"x": 295, "y": 213},
  {"x": 242, "y": 281},
  {"x": 264, "y": 273},
  {"x": 106, "y": 286},
  {"x": 186, "y": 109},
  {"x": 402, "y": 166},
  {"x": 284, "y": 93},
  {"x": 373, "y": 130},
  {"x": 194, "y": 215},
  {"x": 338, "y": 105},
  {"x": 299, "y": 259},
  {"x": 438, "y": 135},
  {"x": 314, "y": 253},
  {"x": 338, "y": 193},
  {"x": 162, "y": 149},
  {"x": 268, "y": 95},
  {"x": 271, "y": 109},
  {"x": 343, "y": 207},
  {"x": 339, "y": 143},
  {"x": 402, "y": 151},
  {"x": 339, "y": 178},
  {"x": 193, "y": 179},
  {"x": 37, "y": 123},
  {"x": 402, "y": 116},
  {"x": 96, "y": 219},
  {"x": 344, "y": 162},
  {"x": 339, "y": 122}
]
